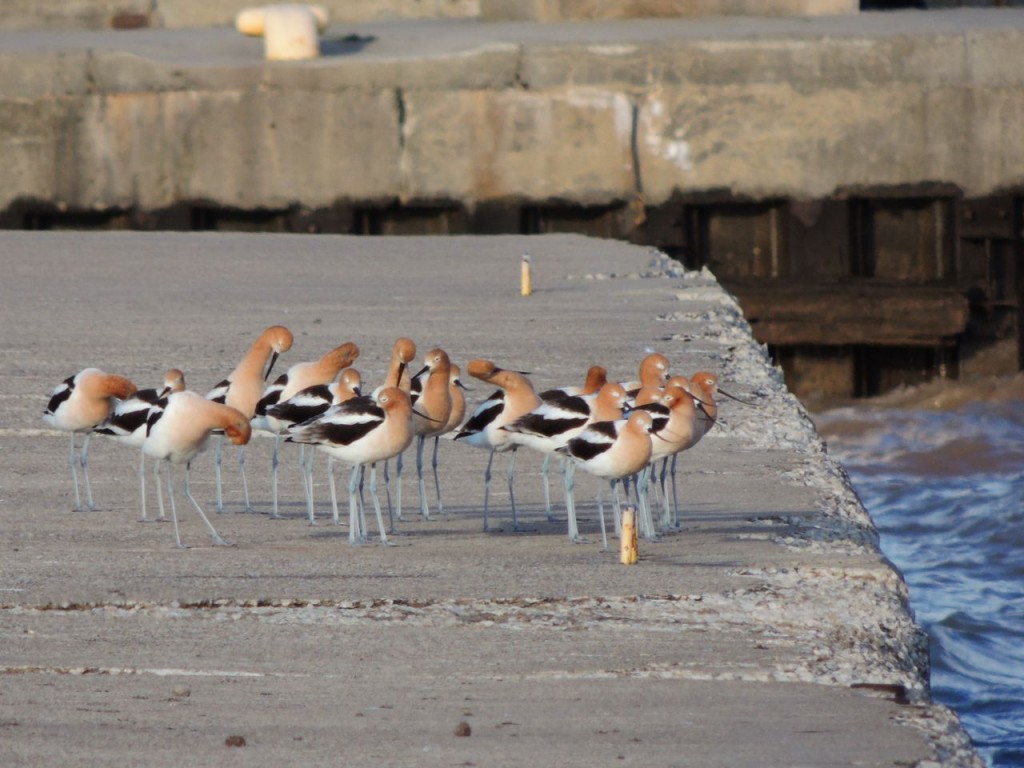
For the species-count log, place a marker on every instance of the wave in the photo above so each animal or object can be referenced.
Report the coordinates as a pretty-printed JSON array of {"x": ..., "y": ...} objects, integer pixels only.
[{"x": 940, "y": 468}]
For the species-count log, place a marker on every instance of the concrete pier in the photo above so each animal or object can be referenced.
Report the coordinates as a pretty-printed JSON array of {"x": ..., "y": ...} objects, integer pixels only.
[
  {"x": 465, "y": 112},
  {"x": 770, "y": 631}
]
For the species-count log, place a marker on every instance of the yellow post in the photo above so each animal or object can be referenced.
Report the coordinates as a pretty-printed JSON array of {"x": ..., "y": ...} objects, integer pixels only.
[
  {"x": 526, "y": 282},
  {"x": 629, "y": 551}
]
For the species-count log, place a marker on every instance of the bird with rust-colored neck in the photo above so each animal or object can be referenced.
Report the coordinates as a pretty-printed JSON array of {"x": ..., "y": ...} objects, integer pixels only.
[
  {"x": 242, "y": 389},
  {"x": 79, "y": 404},
  {"x": 361, "y": 431},
  {"x": 127, "y": 423},
  {"x": 514, "y": 397},
  {"x": 432, "y": 398},
  {"x": 614, "y": 450},
  {"x": 180, "y": 429},
  {"x": 295, "y": 379}
]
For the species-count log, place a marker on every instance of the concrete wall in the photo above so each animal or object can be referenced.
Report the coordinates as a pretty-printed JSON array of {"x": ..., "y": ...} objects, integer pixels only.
[
  {"x": 577, "y": 112},
  {"x": 567, "y": 10},
  {"x": 175, "y": 14}
]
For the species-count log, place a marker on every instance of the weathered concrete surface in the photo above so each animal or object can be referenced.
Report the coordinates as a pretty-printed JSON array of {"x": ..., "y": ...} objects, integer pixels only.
[
  {"x": 770, "y": 631},
  {"x": 173, "y": 14},
  {"x": 470, "y": 112}
]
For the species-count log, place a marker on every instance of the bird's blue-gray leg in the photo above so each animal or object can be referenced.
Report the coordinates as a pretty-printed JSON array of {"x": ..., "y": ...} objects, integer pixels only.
[
  {"x": 641, "y": 483},
  {"x": 547, "y": 490},
  {"x": 675, "y": 498},
  {"x": 387, "y": 495},
  {"x": 421, "y": 483},
  {"x": 376, "y": 503},
  {"x": 73, "y": 461},
  {"x": 666, "y": 507},
  {"x": 437, "y": 482},
  {"x": 245, "y": 483},
  {"x": 355, "y": 535},
  {"x": 653, "y": 486},
  {"x": 616, "y": 507},
  {"x": 307, "y": 480},
  {"x": 362, "y": 501},
  {"x": 85, "y": 471},
  {"x": 159, "y": 489},
  {"x": 364, "y": 532},
  {"x": 273, "y": 466},
  {"x": 569, "y": 481},
  {"x": 600, "y": 514},
  {"x": 509, "y": 475},
  {"x": 174, "y": 512},
  {"x": 487, "y": 487},
  {"x": 214, "y": 536},
  {"x": 641, "y": 487},
  {"x": 218, "y": 455},
  {"x": 398, "y": 486},
  {"x": 142, "y": 484},
  {"x": 334, "y": 490},
  {"x": 391, "y": 518},
  {"x": 170, "y": 484}
]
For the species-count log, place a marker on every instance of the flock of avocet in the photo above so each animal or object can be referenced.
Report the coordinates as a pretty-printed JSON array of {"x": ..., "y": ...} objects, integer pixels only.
[{"x": 616, "y": 431}]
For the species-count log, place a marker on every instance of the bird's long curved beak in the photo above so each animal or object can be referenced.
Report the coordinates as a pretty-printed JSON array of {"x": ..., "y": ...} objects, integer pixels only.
[
  {"x": 424, "y": 416},
  {"x": 703, "y": 410},
  {"x": 737, "y": 399},
  {"x": 273, "y": 359}
]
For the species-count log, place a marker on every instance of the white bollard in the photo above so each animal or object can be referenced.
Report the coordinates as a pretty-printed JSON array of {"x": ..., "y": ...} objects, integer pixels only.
[{"x": 291, "y": 32}]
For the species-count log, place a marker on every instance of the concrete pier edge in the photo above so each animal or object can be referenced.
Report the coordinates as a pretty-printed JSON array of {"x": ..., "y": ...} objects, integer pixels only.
[{"x": 771, "y": 617}]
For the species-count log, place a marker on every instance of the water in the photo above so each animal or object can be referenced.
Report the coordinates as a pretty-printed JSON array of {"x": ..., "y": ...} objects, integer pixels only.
[{"x": 946, "y": 490}]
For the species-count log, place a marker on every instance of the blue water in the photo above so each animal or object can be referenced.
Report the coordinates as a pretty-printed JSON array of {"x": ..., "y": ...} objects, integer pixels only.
[{"x": 946, "y": 490}]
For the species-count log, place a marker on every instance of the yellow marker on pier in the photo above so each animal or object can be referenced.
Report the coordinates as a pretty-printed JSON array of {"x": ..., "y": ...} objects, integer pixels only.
[
  {"x": 526, "y": 281},
  {"x": 629, "y": 552}
]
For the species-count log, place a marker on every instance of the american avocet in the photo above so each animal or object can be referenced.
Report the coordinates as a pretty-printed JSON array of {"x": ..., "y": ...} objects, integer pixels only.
[
  {"x": 457, "y": 390},
  {"x": 653, "y": 373},
  {"x": 558, "y": 420},
  {"x": 458, "y": 413},
  {"x": 432, "y": 399},
  {"x": 79, "y": 404},
  {"x": 707, "y": 389},
  {"x": 296, "y": 378},
  {"x": 361, "y": 431},
  {"x": 242, "y": 390},
  {"x": 675, "y": 430},
  {"x": 127, "y": 424},
  {"x": 311, "y": 403},
  {"x": 597, "y": 377},
  {"x": 403, "y": 352},
  {"x": 514, "y": 398},
  {"x": 179, "y": 430},
  {"x": 704, "y": 388},
  {"x": 614, "y": 450}
]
